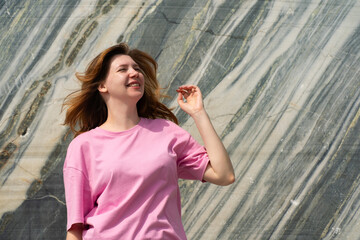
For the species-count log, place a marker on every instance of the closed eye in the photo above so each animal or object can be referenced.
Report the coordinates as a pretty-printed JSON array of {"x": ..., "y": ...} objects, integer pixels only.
[{"x": 124, "y": 68}]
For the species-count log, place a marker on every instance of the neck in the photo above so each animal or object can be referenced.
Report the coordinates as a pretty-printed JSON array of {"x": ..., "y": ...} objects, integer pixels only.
[{"x": 121, "y": 117}]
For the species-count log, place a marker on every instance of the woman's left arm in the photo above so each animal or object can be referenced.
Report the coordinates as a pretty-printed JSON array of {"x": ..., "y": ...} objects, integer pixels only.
[{"x": 220, "y": 170}]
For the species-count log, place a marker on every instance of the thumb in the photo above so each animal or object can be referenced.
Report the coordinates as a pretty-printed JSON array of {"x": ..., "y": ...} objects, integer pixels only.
[
  {"x": 181, "y": 102},
  {"x": 180, "y": 99}
]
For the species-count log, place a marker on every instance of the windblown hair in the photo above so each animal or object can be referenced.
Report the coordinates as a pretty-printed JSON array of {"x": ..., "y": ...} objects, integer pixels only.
[{"x": 86, "y": 109}]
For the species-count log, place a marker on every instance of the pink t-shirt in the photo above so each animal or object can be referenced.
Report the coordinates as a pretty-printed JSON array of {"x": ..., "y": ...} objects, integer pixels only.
[{"x": 124, "y": 185}]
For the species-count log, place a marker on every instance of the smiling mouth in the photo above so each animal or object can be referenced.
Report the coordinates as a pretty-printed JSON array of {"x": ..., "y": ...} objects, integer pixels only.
[{"x": 133, "y": 85}]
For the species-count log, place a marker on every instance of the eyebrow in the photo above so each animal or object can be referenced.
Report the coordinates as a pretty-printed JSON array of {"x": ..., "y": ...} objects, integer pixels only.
[{"x": 125, "y": 65}]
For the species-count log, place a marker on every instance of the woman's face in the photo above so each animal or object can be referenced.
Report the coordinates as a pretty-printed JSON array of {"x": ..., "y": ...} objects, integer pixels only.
[{"x": 124, "y": 80}]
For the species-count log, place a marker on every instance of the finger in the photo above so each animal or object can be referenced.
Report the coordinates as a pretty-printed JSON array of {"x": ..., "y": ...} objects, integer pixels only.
[
  {"x": 197, "y": 90},
  {"x": 185, "y": 93},
  {"x": 182, "y": 90},
  {"x": 180, "y": 98},
  {"x": 188, "y": 88}
]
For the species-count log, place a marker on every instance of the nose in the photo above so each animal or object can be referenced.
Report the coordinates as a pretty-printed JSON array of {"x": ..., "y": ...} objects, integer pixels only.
[{"x": 133, "y": 72}]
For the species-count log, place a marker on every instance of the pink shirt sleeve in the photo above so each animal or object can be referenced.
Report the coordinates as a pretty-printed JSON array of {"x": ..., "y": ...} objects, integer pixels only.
[
  {"x": 192, "y": 158},
  {"x": 77, "y": 189}
]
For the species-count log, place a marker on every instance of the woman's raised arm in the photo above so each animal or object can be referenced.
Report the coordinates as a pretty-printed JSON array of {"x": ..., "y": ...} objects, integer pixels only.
[{"x": 220, "y": 170}]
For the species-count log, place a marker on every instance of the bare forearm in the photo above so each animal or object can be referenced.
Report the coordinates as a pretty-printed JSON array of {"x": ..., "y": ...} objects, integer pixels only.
[
  {"x": 73, "y": 236},
  {"x": 75, "y": 232},
  {"x": 221, "y": 171}
]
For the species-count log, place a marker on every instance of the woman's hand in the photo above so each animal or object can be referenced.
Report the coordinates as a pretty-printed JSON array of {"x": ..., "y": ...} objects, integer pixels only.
[{"x": 193, "y": 99}]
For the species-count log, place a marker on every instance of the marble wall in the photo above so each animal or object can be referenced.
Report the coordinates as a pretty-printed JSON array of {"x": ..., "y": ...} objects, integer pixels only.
[{"x": 281, "y": 82}]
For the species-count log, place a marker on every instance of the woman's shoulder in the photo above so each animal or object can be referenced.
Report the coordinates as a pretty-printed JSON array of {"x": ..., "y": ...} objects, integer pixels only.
[
  {"x": 77, "y": 151},
  {"x": 81, "y": 139}
]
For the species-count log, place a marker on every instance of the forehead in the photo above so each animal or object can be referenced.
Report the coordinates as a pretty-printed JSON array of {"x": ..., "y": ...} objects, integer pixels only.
[{"x": 119, "y": 60}]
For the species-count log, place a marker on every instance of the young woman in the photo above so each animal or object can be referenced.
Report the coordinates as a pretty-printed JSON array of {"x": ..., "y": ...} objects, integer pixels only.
[{"x": 122, "y": 168}]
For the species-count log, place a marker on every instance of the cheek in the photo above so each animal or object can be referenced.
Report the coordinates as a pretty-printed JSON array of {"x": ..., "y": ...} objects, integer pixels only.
[
  {"x": 117, "y": 80},
  {"x": 111, "y": 86},
  {"x": 142, "y": 77}
]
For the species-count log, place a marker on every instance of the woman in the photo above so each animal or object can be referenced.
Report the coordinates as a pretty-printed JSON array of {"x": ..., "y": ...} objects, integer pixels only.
[{"x": 122, "y": 168}]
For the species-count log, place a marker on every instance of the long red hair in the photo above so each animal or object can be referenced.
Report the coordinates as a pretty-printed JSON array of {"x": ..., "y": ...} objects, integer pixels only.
[{"x": 86, "y": 109}]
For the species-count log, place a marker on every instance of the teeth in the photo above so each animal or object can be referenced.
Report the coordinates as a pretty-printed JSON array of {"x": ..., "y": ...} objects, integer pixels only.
[{"x": 134, "y": 85}]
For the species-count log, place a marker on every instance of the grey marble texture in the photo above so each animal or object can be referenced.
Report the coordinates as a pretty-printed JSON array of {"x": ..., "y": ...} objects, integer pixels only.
[{"x": 280, "y": 79}]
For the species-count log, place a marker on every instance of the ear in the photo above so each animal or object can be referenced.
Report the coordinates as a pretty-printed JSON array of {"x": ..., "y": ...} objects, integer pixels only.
[{"x": 102, "y": 88}]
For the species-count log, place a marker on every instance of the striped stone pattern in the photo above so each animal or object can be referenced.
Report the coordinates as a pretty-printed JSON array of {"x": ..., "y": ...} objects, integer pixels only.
[{"x": 280, "y": 80}]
